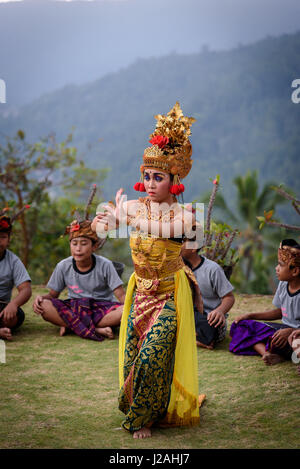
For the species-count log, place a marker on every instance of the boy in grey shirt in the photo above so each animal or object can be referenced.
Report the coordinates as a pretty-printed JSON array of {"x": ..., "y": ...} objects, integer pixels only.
[
  {"x": 98, "y": 282},
  {"x": 217, "y": 297},
  {"x": 270, "y": 339},
  {"x": 92, "y": 281},
  {"x": 12, "y": 274}
]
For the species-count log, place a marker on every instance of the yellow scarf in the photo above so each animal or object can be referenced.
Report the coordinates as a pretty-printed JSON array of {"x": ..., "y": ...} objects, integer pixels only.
[{"x": 183, "y": 407}]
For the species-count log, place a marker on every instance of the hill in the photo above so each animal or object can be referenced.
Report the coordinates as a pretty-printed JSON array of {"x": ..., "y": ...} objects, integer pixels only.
[{"x": 240, "y": 98}]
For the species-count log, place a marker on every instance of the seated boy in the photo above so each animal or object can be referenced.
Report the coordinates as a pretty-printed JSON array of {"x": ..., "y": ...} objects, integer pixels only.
[
  {"x": 217, "y": 297},
  {"x": 270, "y": 339},
  {"x": 12, "y": 274},
  {"x": 92, "y": 281}
]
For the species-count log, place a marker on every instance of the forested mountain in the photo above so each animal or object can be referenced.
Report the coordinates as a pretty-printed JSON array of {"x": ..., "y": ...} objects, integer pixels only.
[{"x": 240, "y": 98}]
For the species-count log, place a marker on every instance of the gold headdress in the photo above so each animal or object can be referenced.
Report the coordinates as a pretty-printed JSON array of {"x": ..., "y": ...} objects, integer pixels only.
[
  {"x": 6, "y": 222},
  {"x": 171, "y": 149},
  {"x": 290, "y": 255},
  {"x": 80, "y": 227}
]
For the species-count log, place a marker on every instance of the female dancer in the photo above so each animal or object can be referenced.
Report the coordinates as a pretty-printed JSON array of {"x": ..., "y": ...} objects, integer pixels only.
[{"x": 157, "y": 347}]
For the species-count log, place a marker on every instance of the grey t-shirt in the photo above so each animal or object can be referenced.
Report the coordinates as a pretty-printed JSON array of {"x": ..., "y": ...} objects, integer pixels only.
[
  {"x": 289, "y": 304},
  {"x": 12, "y": 274},
  {"x": 98, "y": 282},
  {"x": 212, "y": 282}
]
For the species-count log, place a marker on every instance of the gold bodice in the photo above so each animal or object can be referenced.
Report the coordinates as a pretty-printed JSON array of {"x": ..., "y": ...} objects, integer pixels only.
[{"x": 155, "y": 262}]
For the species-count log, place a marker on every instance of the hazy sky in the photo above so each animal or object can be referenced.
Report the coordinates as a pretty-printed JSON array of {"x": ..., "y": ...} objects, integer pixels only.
[{"x": 48, "y": 46}]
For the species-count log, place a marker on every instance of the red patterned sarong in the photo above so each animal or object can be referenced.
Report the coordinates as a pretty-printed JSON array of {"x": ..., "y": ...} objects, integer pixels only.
[{"x": 81, "y": 315}]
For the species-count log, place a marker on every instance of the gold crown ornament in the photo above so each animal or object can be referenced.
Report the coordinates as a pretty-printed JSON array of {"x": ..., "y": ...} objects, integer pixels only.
[{"x": 171, "y": 149}]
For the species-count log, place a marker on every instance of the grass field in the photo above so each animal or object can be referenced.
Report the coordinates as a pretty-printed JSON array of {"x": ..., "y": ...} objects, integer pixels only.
[{"x": 61, "y": 392}]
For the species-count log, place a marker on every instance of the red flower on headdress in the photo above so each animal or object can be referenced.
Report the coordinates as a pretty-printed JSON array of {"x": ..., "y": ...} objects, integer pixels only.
[
  {"x": 75, "y": 227},
  {"x": 4, "y": 224},
  {"x": 159, "y": 140}
]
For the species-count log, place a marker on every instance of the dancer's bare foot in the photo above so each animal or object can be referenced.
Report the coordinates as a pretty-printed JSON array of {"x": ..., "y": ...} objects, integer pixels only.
[
  {"x": 272, "y": 358},
  {"x": 105, "y": 331},
  {"x": 144, "y": 432},
  {"x": 63, "y": 331},
  {"x": 5, "y": 333}
]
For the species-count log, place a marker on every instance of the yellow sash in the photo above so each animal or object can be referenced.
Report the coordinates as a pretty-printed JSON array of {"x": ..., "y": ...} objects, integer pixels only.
[{"x": 183, "y": 407}]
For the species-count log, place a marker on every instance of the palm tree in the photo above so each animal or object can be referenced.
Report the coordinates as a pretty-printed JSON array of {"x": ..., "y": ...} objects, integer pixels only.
[{"x": 250, "y": 201}]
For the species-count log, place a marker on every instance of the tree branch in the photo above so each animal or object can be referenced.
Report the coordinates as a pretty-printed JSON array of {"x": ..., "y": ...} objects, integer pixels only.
[
  {"x": 283, "y": 225},
  {"x": 286, "y": 195},
  {"x": 209, "y": 211},
  {"x": 296, "y": 207}
]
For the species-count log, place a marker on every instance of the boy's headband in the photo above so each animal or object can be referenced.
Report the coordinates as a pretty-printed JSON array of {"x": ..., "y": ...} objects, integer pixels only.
[
  {"x": 289, "y": 255},
  {"x": 6, "y": 222},
  {"x": 83, "y": 228}
]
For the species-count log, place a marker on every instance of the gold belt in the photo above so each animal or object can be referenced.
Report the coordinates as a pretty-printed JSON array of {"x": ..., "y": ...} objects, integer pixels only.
[
  {"x": 149, "y": 272},
  {"x": 151, "y": 280},
  {"x": 153, "y": 286}
]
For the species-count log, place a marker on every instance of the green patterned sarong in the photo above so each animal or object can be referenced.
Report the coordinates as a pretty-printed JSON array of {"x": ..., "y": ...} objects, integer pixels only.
[{"x": 148, "y": 368}]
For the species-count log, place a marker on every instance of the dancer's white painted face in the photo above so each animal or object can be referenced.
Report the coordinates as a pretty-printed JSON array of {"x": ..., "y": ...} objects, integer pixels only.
[{"x": 157, "y": 184}]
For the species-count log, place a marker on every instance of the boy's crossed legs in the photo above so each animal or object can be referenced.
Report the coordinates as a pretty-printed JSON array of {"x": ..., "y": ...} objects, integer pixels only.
[{"x": 103, "y": 327}]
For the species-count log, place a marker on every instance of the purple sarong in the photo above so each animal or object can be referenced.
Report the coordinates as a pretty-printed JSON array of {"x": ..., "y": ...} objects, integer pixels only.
[
  {"x": 81, "y": 315},
  {"x": 249, "y": 332}
]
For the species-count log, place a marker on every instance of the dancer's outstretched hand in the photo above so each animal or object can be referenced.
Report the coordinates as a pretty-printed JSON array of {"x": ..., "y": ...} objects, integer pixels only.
[{"x": 121, "y": 207}]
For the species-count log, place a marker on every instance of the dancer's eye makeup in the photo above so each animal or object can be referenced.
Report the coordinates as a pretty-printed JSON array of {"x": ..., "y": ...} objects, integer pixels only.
[{"x": 157, "y": 176}]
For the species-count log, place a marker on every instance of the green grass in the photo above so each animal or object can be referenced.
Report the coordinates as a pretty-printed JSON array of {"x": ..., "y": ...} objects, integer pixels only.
[{"x": 62, "y": 393}]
